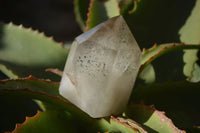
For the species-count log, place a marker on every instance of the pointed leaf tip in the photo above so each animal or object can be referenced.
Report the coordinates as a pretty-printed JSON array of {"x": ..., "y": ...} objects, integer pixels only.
[{"x": 55, "y": 71}]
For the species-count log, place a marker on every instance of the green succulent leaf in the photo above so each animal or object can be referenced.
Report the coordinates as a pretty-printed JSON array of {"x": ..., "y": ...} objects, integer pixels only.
[
  {"x": 149, "y": 19},
  {"x": 125, "y": 125},
  {"x": 56, "y": 102},
  {"x": 190, "y": 34},
  {"x": 14, "y": 110},
  {"x": 80, "y": 10},
  {"x": 196, "y": 73},
  {"x": 45, "y": 91},
  {"x": 8, "y": 72},
  {"x": 101, "y": 10},
  {"x": 127, "y": 6},
  {"x": 121, "y": 125},
  {"x": 180, "y": 100},
  {"x": 50, "y": 121},
  {"x": 55, "y": 71},
  {"x": 158, "y": 50},
  {"x": 33, "y": 84},
  {"x": 147, "y": 72},
  {"x": 158, "y": 21},
  {"x": 27, "y": 52},
  {"x": 152, "y": 119}
]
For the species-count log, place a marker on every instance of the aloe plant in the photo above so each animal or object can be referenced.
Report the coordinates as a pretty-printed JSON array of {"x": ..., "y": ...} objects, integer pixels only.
[{"x": 165, "y": 97}]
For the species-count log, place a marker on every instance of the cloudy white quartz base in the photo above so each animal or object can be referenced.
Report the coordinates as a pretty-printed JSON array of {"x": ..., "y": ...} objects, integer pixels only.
[{"x": 101, "y": 69}]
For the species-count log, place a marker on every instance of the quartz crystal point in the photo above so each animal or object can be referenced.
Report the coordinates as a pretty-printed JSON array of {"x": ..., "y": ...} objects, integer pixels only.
[{"x": 101, "y": 69}]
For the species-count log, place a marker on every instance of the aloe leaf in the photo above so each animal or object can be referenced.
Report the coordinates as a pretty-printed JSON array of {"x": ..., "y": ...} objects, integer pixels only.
[
  {"x": 190, "y": 33},
  {"x": 55, "y": 71},
  {"x": 59, "y": 121},
  {"x": 15, "y": 109},
  {"x": 126, "y": 6},
  {"x": 148, "y": 74},
  {"x": 49, "y": 121},
  {"x": 151, "y": 54},
  {"x": 47, "y": 92},
  {"x": 158, "y": 50},
  {"x": 27, "y": 52},
  {"x": 130, "y": 7},
  {"x": 33, "y": 84},
  {"x": 101, "y": 10},
  {"x": 43, "y": 90},
  {"x": 56, "y": 102},
  {"x": 8, "y": 72},
  {"x": 80, "y": 10},
  {"x": 158, "y": 21},
  {"x": 125, "y": 125},
  {"x": 196, "y": 73},
  {"x": 152, "y": 119},
  {"x": 180, "y": 100},
  {"x": 36, "y": 86},
  {"x": 121, "y": 125}
]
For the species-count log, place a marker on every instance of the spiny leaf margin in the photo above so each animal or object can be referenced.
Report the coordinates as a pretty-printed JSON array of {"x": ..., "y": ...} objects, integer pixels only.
[
  {"x": 189, "y": 33},
  {"x": 152, "y": 118},
  {"x": 37, "y": 85},
  {"x": 178, "y": 99},
  {"x": 24, "y": 48},
  {"x": 158, "y": 50}
]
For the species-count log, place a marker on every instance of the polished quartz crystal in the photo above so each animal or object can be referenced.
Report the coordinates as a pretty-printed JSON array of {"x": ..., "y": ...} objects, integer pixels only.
[{"x": 101, "y": 69}]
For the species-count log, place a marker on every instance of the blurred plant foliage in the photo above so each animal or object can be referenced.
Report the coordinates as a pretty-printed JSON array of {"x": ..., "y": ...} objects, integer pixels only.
[{"x": 169, "y": 76}]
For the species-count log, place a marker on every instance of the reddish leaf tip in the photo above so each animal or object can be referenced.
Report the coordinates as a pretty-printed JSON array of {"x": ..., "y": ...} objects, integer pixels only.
[
  {"x": 61, "y": 43},
  {"x": 173, "y": 44},
  {"x": 134, "y": 6},
  {"x": 144, "y": 49},
  {"x": 182, "y": 43},
  {"x": 155, "y": 44},
  {"x": 55, "y": 71}
]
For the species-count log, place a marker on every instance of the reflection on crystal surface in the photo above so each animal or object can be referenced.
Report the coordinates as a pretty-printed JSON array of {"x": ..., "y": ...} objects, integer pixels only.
[{"x": 101, "y": 69}]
